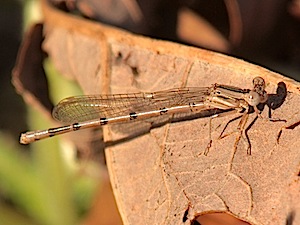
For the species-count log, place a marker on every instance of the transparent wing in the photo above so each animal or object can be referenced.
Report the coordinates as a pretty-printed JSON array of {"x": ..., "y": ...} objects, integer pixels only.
[{"x": 88, "y": 107}]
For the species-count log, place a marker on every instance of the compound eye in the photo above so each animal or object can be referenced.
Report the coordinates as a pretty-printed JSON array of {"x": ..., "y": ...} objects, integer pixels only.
[
  {"x": 259, "y": 81},
  {"x": 253, "y": 98}
]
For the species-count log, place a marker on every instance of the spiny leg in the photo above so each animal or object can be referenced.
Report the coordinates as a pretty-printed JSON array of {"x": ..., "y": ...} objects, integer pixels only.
[
  {"x": 210, "y": 124},
  {"x": 210, "y": 139},
  {"x": 241, "y": 128},
  {"x": 247, "y": 136},
  {"x": 222, "y": 135}
]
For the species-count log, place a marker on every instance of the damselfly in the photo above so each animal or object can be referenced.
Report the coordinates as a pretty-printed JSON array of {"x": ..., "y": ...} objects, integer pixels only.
[{"x": 90, "y": 111}]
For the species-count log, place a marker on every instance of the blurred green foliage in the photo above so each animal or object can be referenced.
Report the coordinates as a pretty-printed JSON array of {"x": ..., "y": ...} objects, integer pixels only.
[{"x": 44, "y": 183}]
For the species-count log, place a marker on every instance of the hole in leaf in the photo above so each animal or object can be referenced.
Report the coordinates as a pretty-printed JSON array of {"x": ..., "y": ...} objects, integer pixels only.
[{"x": 218, "y": 218}]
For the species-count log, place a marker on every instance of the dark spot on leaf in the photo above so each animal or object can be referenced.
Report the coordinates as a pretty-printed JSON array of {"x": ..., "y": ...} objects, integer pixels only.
[
  {"x": 290, "y": 218},
  {"x": 135, "y": 71},
  {"x": 185, "y": 218}
]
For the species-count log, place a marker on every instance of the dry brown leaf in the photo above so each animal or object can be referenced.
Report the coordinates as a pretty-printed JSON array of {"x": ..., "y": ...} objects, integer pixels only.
[{"x": 159, "y": 177}]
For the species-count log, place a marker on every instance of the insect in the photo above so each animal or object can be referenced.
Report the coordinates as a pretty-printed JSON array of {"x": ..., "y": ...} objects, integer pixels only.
[{"x": 90, "y": 111}]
